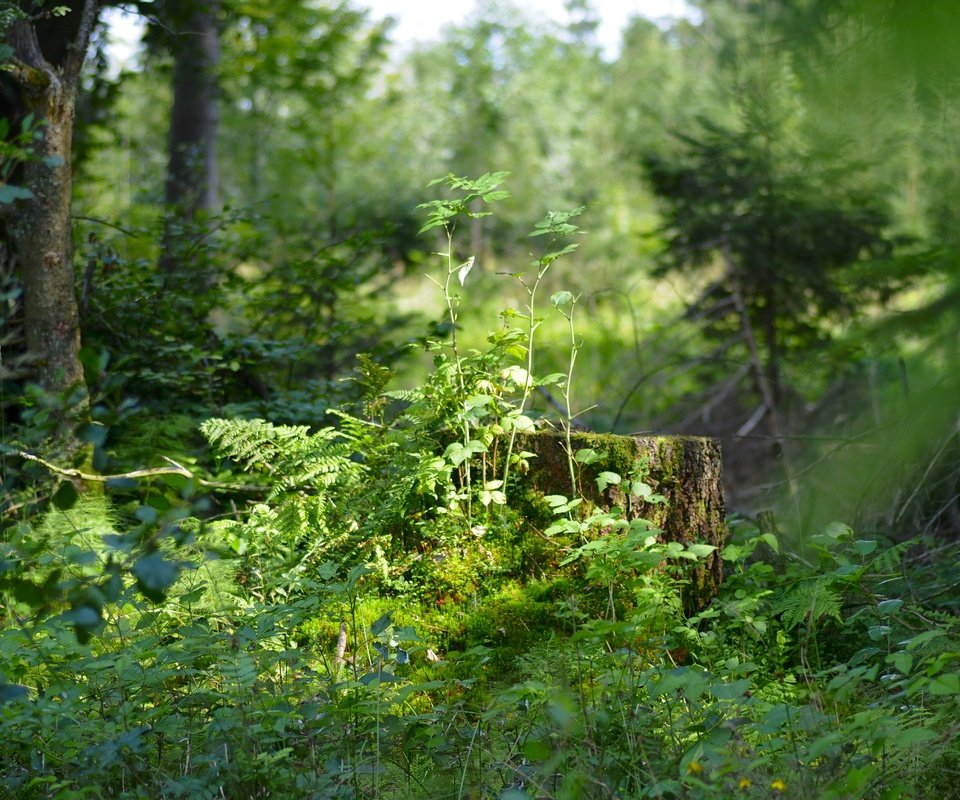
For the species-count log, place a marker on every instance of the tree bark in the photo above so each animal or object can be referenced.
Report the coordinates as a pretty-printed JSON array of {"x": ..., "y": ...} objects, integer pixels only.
[
  {"x": 40, "y": 227},
  {"x": 192, "y": 177},
  {"x": 685, "y": 470}
]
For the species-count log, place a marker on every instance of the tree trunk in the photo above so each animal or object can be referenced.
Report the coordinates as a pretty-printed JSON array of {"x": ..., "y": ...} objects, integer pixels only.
[
  {"x": 40, "y": 227},
  {"x": 43, "y": 237},
  {"x": 192, "y": 175},
  {"x": 685, "y": 470}
]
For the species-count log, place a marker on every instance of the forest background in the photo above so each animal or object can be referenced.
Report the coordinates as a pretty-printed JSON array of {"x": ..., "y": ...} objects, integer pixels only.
[{"x": 767, "y": 255}]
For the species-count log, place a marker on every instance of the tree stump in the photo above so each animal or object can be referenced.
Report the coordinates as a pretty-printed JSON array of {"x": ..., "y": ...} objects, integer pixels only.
[{"x": 685, "y": 470}]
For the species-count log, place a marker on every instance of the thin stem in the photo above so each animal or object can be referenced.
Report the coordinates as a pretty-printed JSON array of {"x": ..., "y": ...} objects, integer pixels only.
[
  {"x": 567, "y": 395},
  {"x": 532, "y": 326},
  {"x": 452, "y": 303}
]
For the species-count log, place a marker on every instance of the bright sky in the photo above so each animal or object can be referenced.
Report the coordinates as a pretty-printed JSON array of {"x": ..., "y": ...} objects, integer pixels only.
[{"x": 421, "y": 20}]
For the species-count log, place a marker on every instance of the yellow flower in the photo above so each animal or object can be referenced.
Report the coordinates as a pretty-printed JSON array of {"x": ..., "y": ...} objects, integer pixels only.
[
  {"x": 695, "y": 768},
  {"x": 778, "y": 786},
  {"x": 745, "y": 783}
]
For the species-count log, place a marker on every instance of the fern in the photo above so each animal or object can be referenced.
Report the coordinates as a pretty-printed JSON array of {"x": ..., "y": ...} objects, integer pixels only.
[
  {"x": 301, "y": 458},
  {"x": 890, "y": 559},
  {"x": 809, "y": 600},
  {"x": 405, "y": 395}
]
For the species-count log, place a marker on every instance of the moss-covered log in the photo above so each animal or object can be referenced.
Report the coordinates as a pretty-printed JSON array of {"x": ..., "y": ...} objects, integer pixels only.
[{"x": 685, "y": 470}]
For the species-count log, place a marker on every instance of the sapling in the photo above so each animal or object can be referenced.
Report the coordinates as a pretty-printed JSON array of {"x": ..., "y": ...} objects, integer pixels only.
[{"x": 556, "y": 225}]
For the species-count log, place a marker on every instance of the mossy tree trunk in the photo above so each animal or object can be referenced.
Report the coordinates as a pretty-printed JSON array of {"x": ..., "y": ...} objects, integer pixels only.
[
  {"x": 46, "y": 71},
  {"x": 685, "y": 470}
]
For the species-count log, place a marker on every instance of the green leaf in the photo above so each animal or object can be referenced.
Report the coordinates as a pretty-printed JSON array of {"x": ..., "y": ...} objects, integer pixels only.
[
  {"x": 771, "y": 541},
  {"x": 902, "y": 661},
  {"x": 945, "y": 684},
  {"x": 865, "y": 546},
  {"x": 886, "y": 608},
  {"x": 561, "y": 300},
  {"x": 605, "y": 479},
  {"x": 12, "y": 691},
  {"x": 587, "y": 455},
  {"x": 838, "y": 530},
  {"x": 372, "y": 678},
  {"x": 731, "y": 552},
  {"x": 9, "y": 194},
  {"x": 65, "y": 497},
  {"x": 154, "y": 576},
  {"x": 922, "y": 638},
  {"x": 381, "y": 624},
  {"x": 701, "y": 550},
  {"x": 877, "y": 632},
  {"x": 84, "y": 616},
  {"x": 93, "y": 433}
]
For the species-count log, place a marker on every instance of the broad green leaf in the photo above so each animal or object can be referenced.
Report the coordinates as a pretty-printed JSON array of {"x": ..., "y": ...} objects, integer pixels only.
[
  {"x": 877, "y": 632},
  {"x": 902, "y": 661},
  {"x": 886, "y": 608},
  {"x": 154, "y": 575},
  {"x": 587, "y": 455},
  {"x": 9, "y": 194},
  {"x": 93, "y": 433},
  {"x": 946, "y": 684},
  {"x": 65, "y": 497},
  {"x": 561, "y": 300},
  {"x": 381, "y": 624},
  {"x": 605, "y": 479},
  {"x": 12, "y": 691},
  {"x": 838, "y": 530},
  {"x": 373, "y": 678}
]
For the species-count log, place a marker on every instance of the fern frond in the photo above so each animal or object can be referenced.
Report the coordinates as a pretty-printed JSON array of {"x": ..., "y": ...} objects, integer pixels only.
[
  {"x": 406, "y": 395},
  {"x": 251, "y": 441},
  {"x": 890, "y": 559},
  {"x": 300, "y": 458},
  {"x": 810, "y": 600}
]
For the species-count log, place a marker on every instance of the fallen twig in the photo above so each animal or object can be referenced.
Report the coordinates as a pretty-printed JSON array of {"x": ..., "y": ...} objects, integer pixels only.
[{"x": 174, "y": 469}]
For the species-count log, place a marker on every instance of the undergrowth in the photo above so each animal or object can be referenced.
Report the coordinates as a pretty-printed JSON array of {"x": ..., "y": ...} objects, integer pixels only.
[{"x": 350, "y": 611}]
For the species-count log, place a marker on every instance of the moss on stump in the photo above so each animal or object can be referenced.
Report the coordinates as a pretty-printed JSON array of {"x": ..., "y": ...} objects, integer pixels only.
[{"x": 685, "y": 470}]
